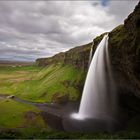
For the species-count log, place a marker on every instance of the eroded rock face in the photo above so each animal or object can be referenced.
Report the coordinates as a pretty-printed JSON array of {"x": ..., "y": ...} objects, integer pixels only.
[
  {"x": 124, "y": 47},
  {"x": 77, "y": 57},
  {"x": 124, "y": 50}
]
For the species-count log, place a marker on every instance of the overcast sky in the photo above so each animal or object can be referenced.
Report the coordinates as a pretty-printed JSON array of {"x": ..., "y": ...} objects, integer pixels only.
[{"x": 34, "y": 29}]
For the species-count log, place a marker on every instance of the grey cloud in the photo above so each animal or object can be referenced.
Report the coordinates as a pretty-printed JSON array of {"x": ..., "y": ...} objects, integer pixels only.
[
  {"x": 32, "y": 29},
  {"x": 121, "y": 9}
]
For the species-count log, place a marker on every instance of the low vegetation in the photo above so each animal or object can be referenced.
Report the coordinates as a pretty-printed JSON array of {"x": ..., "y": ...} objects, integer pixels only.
[
  {"x": 17, "y": 115},
  {"x": 45, "y": 134},
  {"x": 41, "y": 85},
  {"x": 37, "y": 85}
]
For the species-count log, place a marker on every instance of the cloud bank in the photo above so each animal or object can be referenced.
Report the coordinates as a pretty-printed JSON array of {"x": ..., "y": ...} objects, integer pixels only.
[{"x": 33, "y": 29}]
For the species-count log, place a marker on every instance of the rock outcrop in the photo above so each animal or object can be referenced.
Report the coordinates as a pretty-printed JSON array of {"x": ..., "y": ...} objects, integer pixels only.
[
  {"x": 124, "y": 47},
  {"x": 77, "y": 56}
]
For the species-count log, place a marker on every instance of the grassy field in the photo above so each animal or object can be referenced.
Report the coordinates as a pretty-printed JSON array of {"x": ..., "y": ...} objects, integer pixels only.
[
  {"x": 34, "y": 84},
  {"x": 18, "y": 120},
  {"x": 17, "y": 115},
  {"x": 40, "y": 85}
]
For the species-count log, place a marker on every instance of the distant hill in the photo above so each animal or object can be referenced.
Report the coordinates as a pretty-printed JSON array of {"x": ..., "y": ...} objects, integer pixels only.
[{"x": 14, "y": 63}]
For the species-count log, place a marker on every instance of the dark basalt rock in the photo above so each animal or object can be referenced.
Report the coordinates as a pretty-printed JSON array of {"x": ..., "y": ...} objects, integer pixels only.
[
  {"x": 124, "y": 49},
  {"x": 91, "y": 125},
  {"x": 52, "y": 120},
  {"x": 59, "y": 117},
  {"x": 61, "y": 99}
]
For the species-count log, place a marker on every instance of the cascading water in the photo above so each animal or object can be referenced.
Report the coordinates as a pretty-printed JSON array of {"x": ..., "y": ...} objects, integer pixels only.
[
  {"x": 98, "y": 98},
  {"x": 90, "y": 55}
]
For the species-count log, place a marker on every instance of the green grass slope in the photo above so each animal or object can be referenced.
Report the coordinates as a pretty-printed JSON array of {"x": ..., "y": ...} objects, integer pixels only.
[
  {"x": 18, "y": 115},
  {"x": 55, "y": 82}
]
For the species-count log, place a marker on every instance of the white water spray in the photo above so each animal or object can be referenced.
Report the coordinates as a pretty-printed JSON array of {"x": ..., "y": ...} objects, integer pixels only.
[
  {"x": 90, "y": 55},
  {"x": 98, "y": 98}
]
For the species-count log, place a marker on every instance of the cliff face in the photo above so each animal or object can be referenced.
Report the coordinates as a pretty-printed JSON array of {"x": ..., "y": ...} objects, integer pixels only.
[
  {"x": 77, "y": 57},
  {"x": 124, "y": 50},
  {"x": 124, "y": 47}
]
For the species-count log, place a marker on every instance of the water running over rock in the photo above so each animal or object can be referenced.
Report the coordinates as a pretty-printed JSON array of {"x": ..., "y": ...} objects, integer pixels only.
[{"x": 98, "y": 98}]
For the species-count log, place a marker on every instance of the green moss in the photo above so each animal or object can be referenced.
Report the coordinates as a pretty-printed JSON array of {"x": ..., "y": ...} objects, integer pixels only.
[
  {"x": 118, "y": 36},
  {"x": 48, "y": 134},
  {"x": 12, "y": 114}
]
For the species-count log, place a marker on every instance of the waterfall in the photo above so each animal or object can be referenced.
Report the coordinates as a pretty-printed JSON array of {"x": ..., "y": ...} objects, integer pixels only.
[
  {"x": 98, "y": 98},
  {"x": 90, "y": 55}
]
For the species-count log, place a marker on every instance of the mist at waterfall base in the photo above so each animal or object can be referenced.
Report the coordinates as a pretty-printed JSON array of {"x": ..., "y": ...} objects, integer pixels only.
[{"x": 98, "y": 103}]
